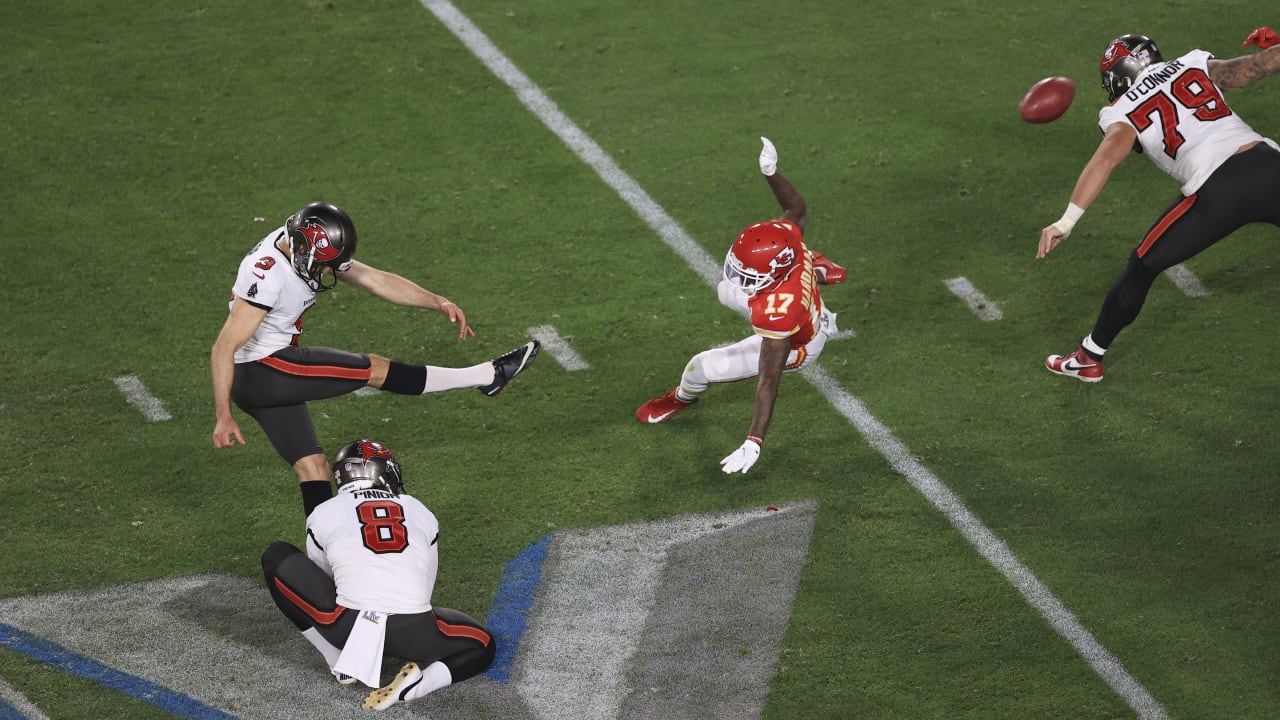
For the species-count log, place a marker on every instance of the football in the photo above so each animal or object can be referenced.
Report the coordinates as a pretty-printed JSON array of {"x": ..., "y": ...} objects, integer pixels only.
[{"x": 1047, "y": 100}]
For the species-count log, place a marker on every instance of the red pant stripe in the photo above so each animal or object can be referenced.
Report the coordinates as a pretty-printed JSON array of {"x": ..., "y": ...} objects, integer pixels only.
[
  {"x": 463, "y": 631},
  {"x": 329, "y": 371},
  {"x": 1170, "y": 218},
  {"x": 320, "y": 616}
]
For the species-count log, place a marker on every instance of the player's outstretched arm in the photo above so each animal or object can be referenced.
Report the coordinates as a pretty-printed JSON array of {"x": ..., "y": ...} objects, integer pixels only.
[
  {"x": 773, "y": 359},
  {"x": 789, "y": 198},
  {"x": 402, "y": 291},
  {"x": 1241, "y": 71},
  {"x": 1114, "y": 148}
]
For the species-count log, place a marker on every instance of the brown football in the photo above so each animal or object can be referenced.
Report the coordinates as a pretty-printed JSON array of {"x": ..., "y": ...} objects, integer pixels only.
[{"x": 1047, "y": 100}]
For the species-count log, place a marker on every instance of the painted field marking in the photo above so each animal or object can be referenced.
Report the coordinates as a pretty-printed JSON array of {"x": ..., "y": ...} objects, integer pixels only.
[
  {"x": 581, "y": 617},
  {"x": 138, "y": 396},
  {"x": 1187, "y": 281},
  {"x": 978, "y": 303},
  {"x": 58, "y": 657},
  {"x": 15, "y": 706},
  {"x": 558, "y": 348},
  {"x": 876, "y": 433},
  {"x": 597, "y": 616}
]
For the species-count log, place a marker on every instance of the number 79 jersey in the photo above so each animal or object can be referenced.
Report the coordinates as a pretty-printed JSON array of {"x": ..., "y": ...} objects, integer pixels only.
[
  {"x": 379, "y": 548},
  {"x": 1183, "y": 122}
]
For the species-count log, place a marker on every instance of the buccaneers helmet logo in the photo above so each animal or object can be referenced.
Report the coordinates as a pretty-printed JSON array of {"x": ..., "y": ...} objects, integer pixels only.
[
  {"x": 369, "y": 450},
  {"x": 318, "y": 238},
  {"x": 1113, "y": 54}
]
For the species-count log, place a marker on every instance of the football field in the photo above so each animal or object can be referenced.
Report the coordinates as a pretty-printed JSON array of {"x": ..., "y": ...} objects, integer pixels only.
[{"x": 937, "y": 527}]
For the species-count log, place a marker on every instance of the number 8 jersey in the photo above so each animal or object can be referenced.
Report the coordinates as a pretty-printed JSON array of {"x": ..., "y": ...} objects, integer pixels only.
[
  {"x": 379, "y": 548},
  {"x": 1183, "y": 122}
]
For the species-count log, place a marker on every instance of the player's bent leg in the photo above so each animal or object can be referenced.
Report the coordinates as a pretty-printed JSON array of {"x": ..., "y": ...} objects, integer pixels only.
[
  {"x": 447, "y": 646},
  {"x": 478, "y": 646},
  {"x": 730, "y": 363},
  {"x": 312, "y": 467},
  {"x": 293, "y": 586}
]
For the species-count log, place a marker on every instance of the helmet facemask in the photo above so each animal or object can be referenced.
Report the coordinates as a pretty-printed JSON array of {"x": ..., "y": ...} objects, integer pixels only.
[
  {"x": 762, "y": 256},
  {"x": 743, "y": 278}
]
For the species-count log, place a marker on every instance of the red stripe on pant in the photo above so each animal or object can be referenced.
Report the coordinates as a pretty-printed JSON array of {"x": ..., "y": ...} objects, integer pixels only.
[
  {"x": 1169, "y": 218},
  {"x": 463, "y": 631},
  {"x": 329, "y": 371},
  {"x": 320, "y": 616}
]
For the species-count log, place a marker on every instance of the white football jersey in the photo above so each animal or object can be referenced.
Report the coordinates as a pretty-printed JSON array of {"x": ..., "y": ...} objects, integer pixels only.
[
  {"x": 1183, "y": 122},
  {"x": 379, "y": 548},
  {"x": 267, "y": 279}
]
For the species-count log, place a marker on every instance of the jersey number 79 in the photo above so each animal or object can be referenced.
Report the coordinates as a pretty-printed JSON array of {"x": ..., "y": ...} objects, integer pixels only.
[{"x": 1194, "y": 91}]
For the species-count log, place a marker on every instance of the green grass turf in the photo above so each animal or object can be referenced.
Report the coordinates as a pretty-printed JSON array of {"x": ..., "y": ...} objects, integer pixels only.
[{"x": 141, "y": 141}]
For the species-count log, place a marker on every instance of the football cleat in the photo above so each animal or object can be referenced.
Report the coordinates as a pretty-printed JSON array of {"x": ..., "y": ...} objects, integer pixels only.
[
  {"x": 343, "y": 678},
  {"x": 1077, "y": 365},
  {"x": 508, "y": 366},
  {"x": 828, "y": 272},
  {"x": 662, "y": 407},
  {"x": 395, "y": 691}
]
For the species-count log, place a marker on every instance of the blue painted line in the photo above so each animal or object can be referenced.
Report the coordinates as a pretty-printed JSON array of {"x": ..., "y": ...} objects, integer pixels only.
[
  {"x": 509, "y": 616},
  {"x": 59, "y": 658},
  {"x": 9, "y": 712}
]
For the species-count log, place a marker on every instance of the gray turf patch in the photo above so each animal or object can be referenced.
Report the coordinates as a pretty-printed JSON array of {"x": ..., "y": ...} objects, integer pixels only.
[
  {"x": 681, "y": 617},
  {"x": 712, "y": 644}
]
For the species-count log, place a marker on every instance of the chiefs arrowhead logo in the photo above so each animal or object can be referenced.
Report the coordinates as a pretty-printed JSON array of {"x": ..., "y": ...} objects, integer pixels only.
[{"x": 784, "y": 259}]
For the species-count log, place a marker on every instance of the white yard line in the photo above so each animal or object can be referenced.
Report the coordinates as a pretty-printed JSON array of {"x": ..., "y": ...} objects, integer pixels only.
[
  {"x": 19, "y": 702},
  {"x": 138, "y": 396},
  {"x": 875, "y": 432},
  {"x": 978, "y": 303},
  {"x": 558, "y": 348},
  {"x": 1187, "y": 281}
]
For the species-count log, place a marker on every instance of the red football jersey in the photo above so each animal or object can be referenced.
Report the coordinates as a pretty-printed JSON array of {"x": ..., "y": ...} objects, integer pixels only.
[{"x": 792, "y": 308}]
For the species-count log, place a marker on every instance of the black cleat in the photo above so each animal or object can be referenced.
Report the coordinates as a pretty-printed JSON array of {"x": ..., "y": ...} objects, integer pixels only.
[{"x": 508, "y": 366}]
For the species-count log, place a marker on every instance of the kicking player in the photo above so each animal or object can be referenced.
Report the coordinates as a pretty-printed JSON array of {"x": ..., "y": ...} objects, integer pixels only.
[{"x": 256, "y": 361}]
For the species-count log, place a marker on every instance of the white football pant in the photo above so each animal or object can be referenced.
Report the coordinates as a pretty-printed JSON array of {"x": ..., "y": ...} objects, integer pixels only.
[{"x": 741, "y": 360}]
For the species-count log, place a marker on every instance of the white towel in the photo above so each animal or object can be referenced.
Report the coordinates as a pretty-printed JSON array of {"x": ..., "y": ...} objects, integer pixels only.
[{"x": 362, "y": 655}]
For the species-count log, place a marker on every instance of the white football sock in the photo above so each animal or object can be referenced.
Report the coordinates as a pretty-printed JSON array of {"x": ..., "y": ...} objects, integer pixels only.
[
  {"x": 1093, "y": 347},
  {"x": 443, "y": 378},
  {"x": 434, "y": 676},
  {"x": 325, "y": 647}
]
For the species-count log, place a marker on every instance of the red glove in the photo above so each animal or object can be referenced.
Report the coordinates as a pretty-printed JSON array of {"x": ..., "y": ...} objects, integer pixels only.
[
  {"x": 1263, "y": 37},
  {"x": 832, "y": 273}
]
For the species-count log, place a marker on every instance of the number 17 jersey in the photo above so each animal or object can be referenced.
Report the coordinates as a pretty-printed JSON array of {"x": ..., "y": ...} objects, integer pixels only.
[{"x": 1183, "y": 122}]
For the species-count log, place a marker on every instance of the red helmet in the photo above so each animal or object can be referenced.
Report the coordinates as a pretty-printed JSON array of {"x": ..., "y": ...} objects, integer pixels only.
[{"x": 763, "y": 255}]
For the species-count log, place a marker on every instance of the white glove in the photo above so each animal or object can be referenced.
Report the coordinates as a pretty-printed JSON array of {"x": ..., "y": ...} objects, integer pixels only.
[
  {"x": 768, "y": 158},
  {"x": 743, "y": 458}
]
